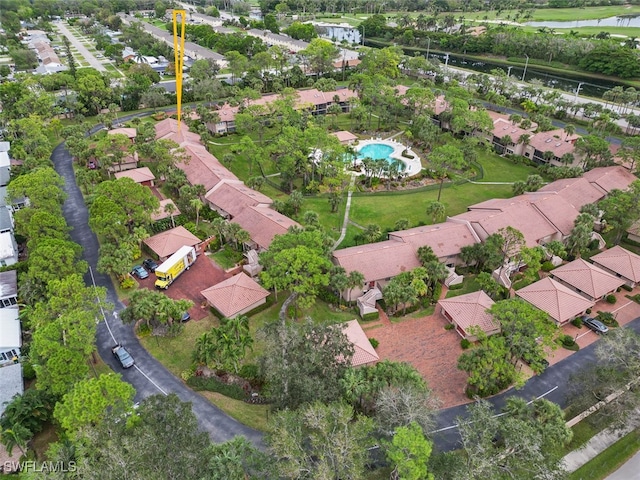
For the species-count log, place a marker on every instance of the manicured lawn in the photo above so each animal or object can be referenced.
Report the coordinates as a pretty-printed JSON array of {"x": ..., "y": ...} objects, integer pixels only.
[
  {"x": 175, "y": 353},
  {"x": 610, "y": 460},
  {"x": 561, "y": 14},
  {"x": 254, "y": 416},
  {"x": 468, "y": 285},
  {"x": 227, "y": 257}
]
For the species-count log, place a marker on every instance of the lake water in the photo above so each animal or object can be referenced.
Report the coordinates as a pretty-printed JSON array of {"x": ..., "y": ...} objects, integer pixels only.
[{"x": 620, "y": 21}]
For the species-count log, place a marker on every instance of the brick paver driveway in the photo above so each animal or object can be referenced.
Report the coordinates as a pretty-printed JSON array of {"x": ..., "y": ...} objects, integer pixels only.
[
  {"x": 204, "y": 273},
  {"x": 425, "y": 344}
]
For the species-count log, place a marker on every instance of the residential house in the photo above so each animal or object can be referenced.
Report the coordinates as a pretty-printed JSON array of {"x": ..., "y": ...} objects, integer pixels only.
[
  {"x": 235, "y": 296},
  {"x": 168, "y": 129},
  {"x": 10, "y": 335},
  {"x": 445, "y": 239},
  {"x": 284, "y": 41},
  {"x": 576, "y": 191},
  {"x": 378, "y": 262},
  {"x": 202, "y": 168},
  {"x": 141, "y": 175},
  {"x": 633, "y": 232},
  {"x": 230, "y": 197},
  {"x": 162, "y": 213},
  {"x": 587, "y": 279},
  {"x": 191, "y": 49},
  {"x": 263, "y": 224},
  {"x": 166, "y": 243},
  {"x": 8, "y": 249},
  {"x": 506, "y": 137},
  {"x": 611, "y": 178},
  {"x": 470, "y": 311},
  {"x": 620, "y": 262},
  {"x": 8, "y": 289},
  {"x": 363, "y": 351},
  {"x": 130, "y": 133},
  {"x": 345, "y": 137},
  {"x": 560, "y": 302},
  {"x": 312, "y": 100},
  {"x": 551, "y": 147}
]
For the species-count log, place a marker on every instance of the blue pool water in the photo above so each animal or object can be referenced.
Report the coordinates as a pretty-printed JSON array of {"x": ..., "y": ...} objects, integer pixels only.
[{"x": 377, "y": 151}]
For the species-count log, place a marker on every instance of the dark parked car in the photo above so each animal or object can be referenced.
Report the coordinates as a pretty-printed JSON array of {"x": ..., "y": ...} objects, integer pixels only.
[
  {"x": 595, "y": 325},
  {"x": 150, "y": 264},
  {"x": 125, "y": 359},
  {"x": 140, "y": 272}
]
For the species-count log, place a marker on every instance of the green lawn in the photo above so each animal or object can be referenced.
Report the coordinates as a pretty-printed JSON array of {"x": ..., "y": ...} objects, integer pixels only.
[
  {"x": 559, "y": 14},
  {"x": 468, "y": 285},
  {"x": 254, "y": 416},
  {"x": 175, "y": 353},
  {"x": 610, "y": 460},
  {"x": 227, "y": 257}
]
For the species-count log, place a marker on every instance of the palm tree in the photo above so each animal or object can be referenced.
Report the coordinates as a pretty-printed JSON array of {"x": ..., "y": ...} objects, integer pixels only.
[
  {"x": 170, "y": 209},
  {"x": 371, "y": 233},
  {"x": 196, "y": 204},
  {"x": 436, "y": 210},
  {"x": 242, "y": 237},
  {"x": 354, "y": 279},
  {"x": 569, "y": 130}
]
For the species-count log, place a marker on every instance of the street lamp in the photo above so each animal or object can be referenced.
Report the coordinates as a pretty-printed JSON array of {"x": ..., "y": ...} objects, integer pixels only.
[
  {"x": 509, "y": 70},
  {"x": 525, "y": 67},
  {"x": 428, "y": 45},
  {"x": 446, "y": 59},
  {"x": 575, "y": 99}
]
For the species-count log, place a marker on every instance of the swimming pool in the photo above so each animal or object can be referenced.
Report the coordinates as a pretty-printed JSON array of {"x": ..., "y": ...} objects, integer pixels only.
[{"x": 376, "y": 151}]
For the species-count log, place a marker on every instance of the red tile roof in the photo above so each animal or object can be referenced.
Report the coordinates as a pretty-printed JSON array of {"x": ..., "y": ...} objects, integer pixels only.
[
  {"x": 161, "y": 213},
  {"x": 576, "y": 191},
  {"x": 168, "y": 242},
  {"x": 446, "y": 239},
  {"x": 138, "y": 175},
  {"x": 611, "y": 178},
  {"x": 470, "y": 310},
  {"x": 344, "y": 136},
  {"x": 263, "y": 223},
  {"x": 587, "y": 278},
  {"x": 364, "y": 352},
  {"x": 202, "y": 168},
  {"x": 234, "y": 295},
  {"x": 378, "y": 261},
  {"x": 129, "y": 132},
  {"x": 553, "y": 141},
  {"x": 559, "y": 302},
  {"x": 621, "y": 261},
  {"x": 234, "y": 196}
]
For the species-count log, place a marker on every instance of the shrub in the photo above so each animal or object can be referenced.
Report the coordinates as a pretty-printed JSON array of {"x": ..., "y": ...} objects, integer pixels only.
[
  {"x": 607, "y": 318},
  {"x": 627, "y": 287},
  {"x": 27, "y": 371},
  {"x": 371, "y": 316},
  {"x": 456, "y": 287},
  {"x": 374, "y": 343},
  {"x": 588, "y": 310},
  {"x": 437, "y": 290},
  {"x": 250, "y": 372},
  {"x": 127, "y": 283},
  {"x": 449, "y": 326},
  {"x": 577, "y": 322},
  {"x": 547, "y": 266},
  {"x": 611, "y": 299},
  {"x": 213, "y": 385},
  {"x": 464, "y": 343},
  {"x": 568, "y": 342}
]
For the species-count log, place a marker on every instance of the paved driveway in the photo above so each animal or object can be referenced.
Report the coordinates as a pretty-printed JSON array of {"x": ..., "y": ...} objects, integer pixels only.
[{"x": 149, "y": 377}]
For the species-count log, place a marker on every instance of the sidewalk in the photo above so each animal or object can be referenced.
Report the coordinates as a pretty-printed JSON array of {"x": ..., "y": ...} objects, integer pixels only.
[{"x": 598, "y": 443}]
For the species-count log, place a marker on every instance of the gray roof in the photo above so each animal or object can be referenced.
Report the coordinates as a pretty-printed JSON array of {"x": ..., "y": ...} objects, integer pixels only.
[
  {"x": 168, "y": 38},
  {"x": 8, "y": 284},
  {"x": 12, "y": 385},
  {"x": 277, "y": 37},
  {"x": 5, "y": 175},
  {"x": 5, "y": 220},
  {"x": 5, "y": 146}
]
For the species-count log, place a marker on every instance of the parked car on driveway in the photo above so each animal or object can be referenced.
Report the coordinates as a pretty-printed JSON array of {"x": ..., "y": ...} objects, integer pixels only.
[
  {"x": 140, "y": 272},
  {"x": 595, "y": 325},
  {"x": 185, "y": 317},
  {"x": 150, "y": 264},
  {"x": 124, "y": 357}
]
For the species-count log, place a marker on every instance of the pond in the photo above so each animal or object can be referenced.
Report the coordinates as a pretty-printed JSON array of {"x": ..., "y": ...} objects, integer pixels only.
[{"x": 619, "y": 21}]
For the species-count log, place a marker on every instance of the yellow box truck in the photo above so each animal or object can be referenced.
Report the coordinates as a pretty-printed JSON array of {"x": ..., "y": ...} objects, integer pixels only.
[{"x": 173, "y": 266}]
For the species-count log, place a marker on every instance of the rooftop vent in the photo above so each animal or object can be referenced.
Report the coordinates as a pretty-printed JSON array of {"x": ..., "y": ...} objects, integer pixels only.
[{"x": 548, "y": 140}]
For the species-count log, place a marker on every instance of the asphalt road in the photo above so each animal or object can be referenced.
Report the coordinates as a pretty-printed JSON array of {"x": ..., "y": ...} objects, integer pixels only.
[
  {"x": 88, "y": 56},
  {"x": 552, "y": 384},
  {"x": 148, "y": 376}
]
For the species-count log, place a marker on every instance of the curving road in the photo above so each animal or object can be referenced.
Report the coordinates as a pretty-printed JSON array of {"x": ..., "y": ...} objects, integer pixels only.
[{"x": 149, "y": 377}]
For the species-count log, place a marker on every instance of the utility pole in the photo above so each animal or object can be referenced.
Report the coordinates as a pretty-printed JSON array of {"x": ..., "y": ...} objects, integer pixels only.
[{"x": 526, "y": 64}]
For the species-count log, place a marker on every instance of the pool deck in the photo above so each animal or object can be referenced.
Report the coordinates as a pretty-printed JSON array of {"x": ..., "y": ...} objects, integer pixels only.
[{"x": 413, "y": 165}]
